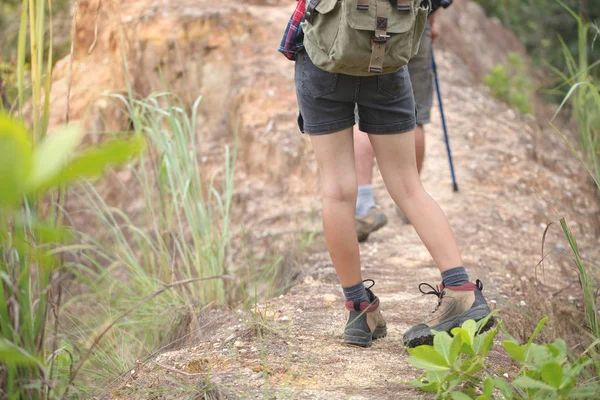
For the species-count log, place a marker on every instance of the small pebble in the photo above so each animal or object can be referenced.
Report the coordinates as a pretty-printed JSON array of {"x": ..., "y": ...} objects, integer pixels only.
[{"x": 522, "y": 303}]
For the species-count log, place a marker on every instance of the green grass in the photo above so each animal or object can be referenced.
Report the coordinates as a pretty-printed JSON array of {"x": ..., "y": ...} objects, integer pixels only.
[
  {"x": 509, "y": 82},
  {"x": 181, "y": 231}
]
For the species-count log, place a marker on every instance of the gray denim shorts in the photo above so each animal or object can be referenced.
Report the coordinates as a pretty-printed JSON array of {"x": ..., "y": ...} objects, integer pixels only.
[{"x": 327, "y": 100}]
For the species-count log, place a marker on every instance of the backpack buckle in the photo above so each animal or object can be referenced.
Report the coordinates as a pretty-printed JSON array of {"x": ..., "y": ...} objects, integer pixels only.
[{"x": 380, "y": 38}]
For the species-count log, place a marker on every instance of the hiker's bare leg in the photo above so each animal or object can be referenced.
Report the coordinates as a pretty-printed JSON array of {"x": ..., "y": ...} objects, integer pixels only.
[
  {"x": 335, "y": 157},
  {"x": 420, "y": 146},
  {"x": 397, "y": 163},
  {"x": 364, "y": 156}
]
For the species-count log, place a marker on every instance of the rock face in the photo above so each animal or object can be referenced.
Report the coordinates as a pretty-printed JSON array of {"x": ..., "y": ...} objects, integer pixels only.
[{"x": 226, "y": 52}]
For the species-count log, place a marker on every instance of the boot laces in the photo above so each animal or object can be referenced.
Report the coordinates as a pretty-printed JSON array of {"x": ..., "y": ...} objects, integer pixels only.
[{"x": 434, "y": 290}]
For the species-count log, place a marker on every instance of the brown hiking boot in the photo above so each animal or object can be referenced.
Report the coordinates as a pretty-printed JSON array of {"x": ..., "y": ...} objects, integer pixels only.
[
  {"x": 368, "y": 224},
  {"x": 456, "y": 304},
  {"x": 365, "y": 322}
]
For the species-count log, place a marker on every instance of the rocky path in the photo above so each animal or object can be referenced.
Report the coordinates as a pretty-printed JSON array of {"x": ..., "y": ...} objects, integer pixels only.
[{"x": 513, "y": 175}]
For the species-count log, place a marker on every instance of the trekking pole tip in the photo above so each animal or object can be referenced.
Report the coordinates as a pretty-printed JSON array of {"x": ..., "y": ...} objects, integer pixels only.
[{"x": 455, "y": 187}]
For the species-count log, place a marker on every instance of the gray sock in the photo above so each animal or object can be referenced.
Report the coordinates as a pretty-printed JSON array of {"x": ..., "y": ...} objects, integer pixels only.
[
  {"x": 455, "y": 277},
  {"x": 356, "y": 292},
  {"x": 365, "y": 200}
]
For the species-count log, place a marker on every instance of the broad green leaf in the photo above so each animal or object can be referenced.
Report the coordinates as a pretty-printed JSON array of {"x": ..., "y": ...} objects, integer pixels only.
[
  {"x": 426, "y": 365},
  {"x": 559, "y": 346},
  {"x": 526, "y": 382},
  {"x": 94, "y": 162},
  {"x": 467, "y": 344},
  {"x": 460, "y": 396},
  {"x": 15, "y": 159},
  {"x": 471, "y": 327},
  {"x": 52, "y": 155},
  {"x": 14, "y": 356},
  {"x": 428, "y": 353},
  {"x": 541, "y": 354},
  {"x": 488, "y": 342},
  {"x": 455, "y": 346},
  {"x": 552, "y": 373},
  {"x": 442, "y": 343},
  {"x": 515, "y": 351}
]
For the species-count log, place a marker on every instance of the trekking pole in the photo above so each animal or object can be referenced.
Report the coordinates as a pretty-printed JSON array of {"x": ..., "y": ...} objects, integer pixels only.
[{"x": 447, "y": 139}]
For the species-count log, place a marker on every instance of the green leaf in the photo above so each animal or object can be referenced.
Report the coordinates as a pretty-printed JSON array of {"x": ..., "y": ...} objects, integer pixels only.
[
  {"x": 515, "y": 351},
  {"x": 552, "y": 373},
  {"x": 427, "y": 358},
  {"x": 51, "y": 156},
  {"x": 526, "y": 382},
  {"x": 466, "y": 341},
  {"x": 460, "y": 396},
  {"x": 455, "y": 346},
  {"x": 15, "y": 159},
  {"x": 488, "y": 389},
  {"x": 11, "y": 355},
  {"x": 94, "y": 162},
  {"x": 504, "y": 388},
  {"x": 471, "y": 327},
  {"x": 541, "y": 354},
  {"x": 442, "y": 343}
]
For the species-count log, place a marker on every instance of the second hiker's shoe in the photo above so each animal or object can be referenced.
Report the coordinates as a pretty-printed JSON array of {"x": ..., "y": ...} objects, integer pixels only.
[
  {"x": 456, "y": 304},
  {"x": 368, "y": 224},
  {"x": 365, "y": 322}
]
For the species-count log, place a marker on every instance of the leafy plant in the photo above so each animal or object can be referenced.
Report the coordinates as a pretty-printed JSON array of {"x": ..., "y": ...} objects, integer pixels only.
[
  {"x": 455, "y": 368},
  {"x": 28, "y": 269},
  {"x": 509, "y": 82}
]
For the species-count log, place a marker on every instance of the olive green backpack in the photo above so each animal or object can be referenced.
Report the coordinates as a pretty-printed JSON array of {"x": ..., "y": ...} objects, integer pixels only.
[{"x": 363, "y": 37}]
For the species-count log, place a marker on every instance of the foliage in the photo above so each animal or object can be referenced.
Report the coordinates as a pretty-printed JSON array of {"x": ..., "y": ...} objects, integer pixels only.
[
  {"x": 540, "y": 23},
  {"x": 509, "y": 82},
  {"x": 28, "y": 268},
  {"x": 179, "y": 232},
  {"x": 455, "y": 368}
]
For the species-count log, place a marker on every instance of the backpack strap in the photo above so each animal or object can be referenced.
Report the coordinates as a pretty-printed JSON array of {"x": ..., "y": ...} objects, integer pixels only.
[
  {"x": 309, "y": 16},
  {"x": 382, "y": 8}
]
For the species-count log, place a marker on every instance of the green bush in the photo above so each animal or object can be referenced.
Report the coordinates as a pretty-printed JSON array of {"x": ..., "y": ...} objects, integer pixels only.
[
  {"x": 509, "y": 82},
  {"x": 455, "y": 368},
  {"x": 29, "y": 271}
]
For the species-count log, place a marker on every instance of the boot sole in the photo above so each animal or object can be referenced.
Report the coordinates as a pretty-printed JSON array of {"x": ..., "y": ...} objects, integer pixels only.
[
  {"x": 360, "y": 338},
  {"x": 476, "y": 314}
]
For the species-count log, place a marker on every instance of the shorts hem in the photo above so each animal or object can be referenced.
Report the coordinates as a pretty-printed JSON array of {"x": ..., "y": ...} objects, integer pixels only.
[
  {"x": 329, "y": 127},
  {"x": 398, "y": 127}
]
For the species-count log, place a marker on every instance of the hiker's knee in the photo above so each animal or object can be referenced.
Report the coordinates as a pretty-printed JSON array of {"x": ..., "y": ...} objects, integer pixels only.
[{"x": 340, "y": 191}]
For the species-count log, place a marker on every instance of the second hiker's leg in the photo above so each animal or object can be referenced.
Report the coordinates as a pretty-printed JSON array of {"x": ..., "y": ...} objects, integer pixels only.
[
  {"x": 397, "y": 162},
  {"x": 368, "y": 218},
  {"x": 420, "y": 147}
]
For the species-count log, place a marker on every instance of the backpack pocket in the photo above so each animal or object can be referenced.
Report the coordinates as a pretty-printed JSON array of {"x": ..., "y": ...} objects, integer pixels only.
[
  {"x": 326, "y": 24},
  {"x": 420, "y": 24}
]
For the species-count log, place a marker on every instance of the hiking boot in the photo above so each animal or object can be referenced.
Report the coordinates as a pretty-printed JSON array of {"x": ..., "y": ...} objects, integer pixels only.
[
  {"x": 365, "y": 322},
  {"x": 368, "y": 224},
  {"x": 456, "y": 304}
]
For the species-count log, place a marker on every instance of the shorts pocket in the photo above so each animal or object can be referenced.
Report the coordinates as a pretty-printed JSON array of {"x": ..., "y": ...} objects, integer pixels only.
[
  {"x": 392, "y": 85},
  {"x": 315, "y": 81}
]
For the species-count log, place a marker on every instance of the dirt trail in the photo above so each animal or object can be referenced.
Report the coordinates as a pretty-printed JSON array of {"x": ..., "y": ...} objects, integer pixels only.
[{"x": 511, "y": 174}]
